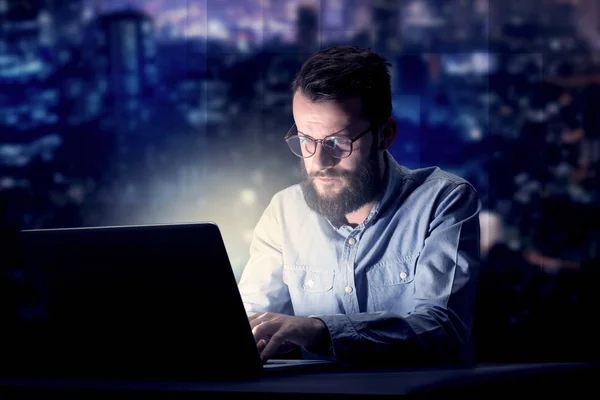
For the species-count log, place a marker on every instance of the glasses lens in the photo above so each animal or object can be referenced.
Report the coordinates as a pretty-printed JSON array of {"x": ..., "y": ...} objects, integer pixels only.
[
  {"x": 339, "y": 147},
  {"x": 301, "y": 146}
]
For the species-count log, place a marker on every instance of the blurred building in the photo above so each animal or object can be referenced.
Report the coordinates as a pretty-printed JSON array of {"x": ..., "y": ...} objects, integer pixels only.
[
  {"x": 543, "y": 24},
  {"x": 338, "y": 20},
  {"x": 332, "y": 20},
  {"x": 22, "y": 64},
  {"x": 589, "y": 25},
  {"x": 19, "y": 27},
  {"x": 386, "y": 27},
  {"x": 67, "y": 20},
  {"x": 307, "y": 29},
  {"x": 467, "y": 19},
  {"x": 124, "y": 56},
  {"x": 36, "y": 90},
  {"x": 120, "y": 50},
  {"x": 559, "y": 16},
  {"x": 442, "y": 25}
]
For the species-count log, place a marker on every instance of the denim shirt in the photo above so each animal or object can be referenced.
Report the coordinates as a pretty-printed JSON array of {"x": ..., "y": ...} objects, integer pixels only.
[{"x": 397, "y": 289}]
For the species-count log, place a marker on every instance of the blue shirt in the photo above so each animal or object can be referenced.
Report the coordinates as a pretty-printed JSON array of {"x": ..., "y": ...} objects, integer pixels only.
[{"x": 397, "y": 289}]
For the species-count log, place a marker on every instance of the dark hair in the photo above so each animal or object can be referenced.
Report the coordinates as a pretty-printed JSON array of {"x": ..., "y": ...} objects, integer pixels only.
[{"x": 341, "y": 72}]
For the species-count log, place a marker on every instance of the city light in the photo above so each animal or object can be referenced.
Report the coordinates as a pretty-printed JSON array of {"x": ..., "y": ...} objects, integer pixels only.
[
  {"x": 149, "y": 97},
  {"x": 248, "y": 197}
]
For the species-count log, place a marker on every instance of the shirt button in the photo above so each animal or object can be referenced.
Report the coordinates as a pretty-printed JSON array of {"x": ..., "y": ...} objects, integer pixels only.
[
  {"x": 348, "y": 289},
  {"x": 402, "y": 275},
  {"x": 310, "y": 283},
  {"x": 352, "y": 241}
]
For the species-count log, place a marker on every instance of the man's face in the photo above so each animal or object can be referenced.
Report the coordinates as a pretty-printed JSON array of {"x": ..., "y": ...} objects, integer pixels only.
[{"x": 332, "y": 186}]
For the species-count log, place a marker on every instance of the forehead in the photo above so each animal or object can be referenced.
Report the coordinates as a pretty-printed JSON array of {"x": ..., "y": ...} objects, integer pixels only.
[{"x": 326, "y": 117}]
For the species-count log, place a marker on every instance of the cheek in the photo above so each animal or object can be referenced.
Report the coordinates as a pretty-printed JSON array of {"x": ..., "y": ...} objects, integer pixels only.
[
  {"x": 305, "y": 163},
  {"x": 350, "y": 164},
  {"x": 305, "y": 166}
]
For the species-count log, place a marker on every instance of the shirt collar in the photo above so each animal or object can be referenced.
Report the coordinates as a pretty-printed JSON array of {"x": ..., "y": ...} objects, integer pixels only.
[{"x": 392, "y": 178}]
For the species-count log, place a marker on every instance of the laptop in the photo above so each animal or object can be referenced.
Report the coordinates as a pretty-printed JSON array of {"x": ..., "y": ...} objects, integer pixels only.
[{"x": 138, "y": 302}]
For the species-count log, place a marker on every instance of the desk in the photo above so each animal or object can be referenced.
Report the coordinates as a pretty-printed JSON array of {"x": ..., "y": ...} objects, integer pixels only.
[{"x": 513, "y": 380}]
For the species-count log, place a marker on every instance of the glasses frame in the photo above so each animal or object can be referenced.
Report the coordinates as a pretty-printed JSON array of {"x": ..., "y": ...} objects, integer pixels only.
[{"x": 317, "y": 141}]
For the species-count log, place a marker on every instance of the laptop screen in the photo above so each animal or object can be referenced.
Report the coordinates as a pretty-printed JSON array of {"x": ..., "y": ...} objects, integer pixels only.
[{"x": 135, "y": 301}]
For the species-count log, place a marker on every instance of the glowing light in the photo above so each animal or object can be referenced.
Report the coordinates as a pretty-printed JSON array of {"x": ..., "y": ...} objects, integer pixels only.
[
  {"x": 44, "y": 18},
  {"x": 87, "y": 14},
  {"x": 197, "y": 30},
  {"x": 492, "y": 229},
  {"x": 481, "y": 63},
  {"x": 7, "y": 182},
  {"x": 217, "y": 29},
  {"x": 248, "y": 197},
  {"x": 418, "y": 8},
  {"x": 476, "y": 134}
]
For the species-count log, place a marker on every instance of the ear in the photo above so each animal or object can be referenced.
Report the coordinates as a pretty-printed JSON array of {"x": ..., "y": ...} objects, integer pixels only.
[{"x": 388, "y": 134}]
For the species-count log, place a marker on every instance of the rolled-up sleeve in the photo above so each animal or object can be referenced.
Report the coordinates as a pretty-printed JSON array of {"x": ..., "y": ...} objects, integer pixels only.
[
  {"x": 261, "y": 285},
  {"x": 438, "y": 329}
]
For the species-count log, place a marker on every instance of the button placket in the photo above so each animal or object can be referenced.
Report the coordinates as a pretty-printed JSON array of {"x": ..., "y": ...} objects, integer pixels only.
[{"x": 350, "y": 288}]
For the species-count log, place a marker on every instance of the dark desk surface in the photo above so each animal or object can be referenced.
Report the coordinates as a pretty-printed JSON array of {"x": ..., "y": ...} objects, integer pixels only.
[{"x": 510, "y": 379}]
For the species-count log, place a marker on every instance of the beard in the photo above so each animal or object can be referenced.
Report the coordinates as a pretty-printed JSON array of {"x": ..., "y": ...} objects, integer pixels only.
[{"x": 362, "y": 186}]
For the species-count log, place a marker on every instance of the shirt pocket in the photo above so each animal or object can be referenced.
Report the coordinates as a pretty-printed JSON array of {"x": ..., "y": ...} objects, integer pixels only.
[
  {"x": 395, "y": 270},
  {"x": 391, "y": 285},
  {"x": 311, "y": 289}
]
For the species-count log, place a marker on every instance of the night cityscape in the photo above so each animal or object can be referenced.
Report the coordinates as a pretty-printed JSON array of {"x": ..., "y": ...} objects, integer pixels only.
[{"x": 154, "y": 111}]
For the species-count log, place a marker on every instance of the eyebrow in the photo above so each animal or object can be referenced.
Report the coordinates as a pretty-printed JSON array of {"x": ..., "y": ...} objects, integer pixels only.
[{"x": 329, "y": 135}]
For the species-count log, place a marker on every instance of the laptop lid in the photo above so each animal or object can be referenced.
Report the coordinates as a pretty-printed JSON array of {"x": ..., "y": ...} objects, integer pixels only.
[{"x": 133, "y": 301}]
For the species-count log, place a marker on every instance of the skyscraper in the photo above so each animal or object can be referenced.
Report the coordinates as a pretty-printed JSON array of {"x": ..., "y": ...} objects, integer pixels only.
[
  {"x": 386, "y": 36},
  {"x": 386, "y": 23},
  {"x": 589, "y": 22},
  {"x": 125, "y": 60},
  {"x": 68, "y": 20},
  {"x": 307, "y": 29},
  {"x": 18, "y": 26}
]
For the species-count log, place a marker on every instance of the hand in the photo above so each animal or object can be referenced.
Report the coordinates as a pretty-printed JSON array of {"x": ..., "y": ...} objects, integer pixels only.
[{"x": 275, "y": 333}]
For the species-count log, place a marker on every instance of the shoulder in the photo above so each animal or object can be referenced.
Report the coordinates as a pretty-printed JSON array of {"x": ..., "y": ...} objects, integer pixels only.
[
  {"x": 291, "y": 194},
  {"x": 288, "y": 201},
  {"x": 432, "y": 174},
  {"x": 435, "y": 179}
]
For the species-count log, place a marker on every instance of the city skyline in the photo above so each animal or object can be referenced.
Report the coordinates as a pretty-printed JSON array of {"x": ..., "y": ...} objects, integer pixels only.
[{"x": 154, "y": 121}]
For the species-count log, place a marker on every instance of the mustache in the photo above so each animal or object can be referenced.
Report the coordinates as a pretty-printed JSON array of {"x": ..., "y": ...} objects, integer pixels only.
[{"x": 330, "y": 174}]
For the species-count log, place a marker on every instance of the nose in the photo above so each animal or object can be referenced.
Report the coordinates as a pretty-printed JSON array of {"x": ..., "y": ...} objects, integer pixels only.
[{"x": 322, "y": 159}]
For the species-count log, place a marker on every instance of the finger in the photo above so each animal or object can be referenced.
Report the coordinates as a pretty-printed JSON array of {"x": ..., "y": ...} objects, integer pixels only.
[
  {"x": 255, "y": 316},
  {"x": 260, "y": 346},
  {"x": 262, "y": 330},
  {"x": 272, "y": 346},
  {"x": 257, "y": 319},
  {"x": 256, "y": 322}
]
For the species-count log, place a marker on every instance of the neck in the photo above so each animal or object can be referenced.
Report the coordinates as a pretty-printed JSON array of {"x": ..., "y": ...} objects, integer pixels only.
[{"x": 359, "y": 216}]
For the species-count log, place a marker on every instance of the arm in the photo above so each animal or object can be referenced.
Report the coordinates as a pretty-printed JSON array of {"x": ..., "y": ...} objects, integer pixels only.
[
  {"x": 261, "y": 285},
  {"x": 437, "y": 331},
  {"x": 266, "y": 297}
]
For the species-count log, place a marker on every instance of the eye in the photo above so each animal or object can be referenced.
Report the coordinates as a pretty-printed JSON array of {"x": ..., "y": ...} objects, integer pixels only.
[
  {"x": 338, "y": 142},
  {"x": 332, "y": 142}
]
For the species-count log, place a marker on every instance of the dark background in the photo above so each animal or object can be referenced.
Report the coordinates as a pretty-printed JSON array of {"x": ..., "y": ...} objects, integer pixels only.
[{"x": 152, "y": 111}]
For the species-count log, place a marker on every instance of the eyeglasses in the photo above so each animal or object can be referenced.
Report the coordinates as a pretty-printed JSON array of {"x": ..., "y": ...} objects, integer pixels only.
[{"x": 336, "y": 146}]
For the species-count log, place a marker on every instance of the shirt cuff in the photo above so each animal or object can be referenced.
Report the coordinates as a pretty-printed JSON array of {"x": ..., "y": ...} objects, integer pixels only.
[{"x": 342, "y": 335}]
